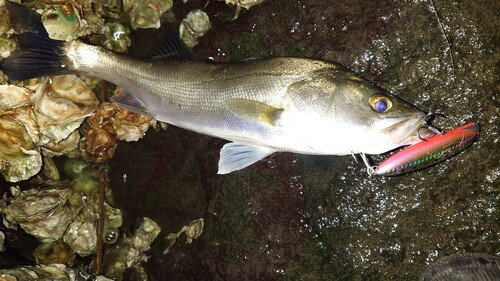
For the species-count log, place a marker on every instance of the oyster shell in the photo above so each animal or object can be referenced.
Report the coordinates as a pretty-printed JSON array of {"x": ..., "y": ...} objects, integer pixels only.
[
  {"x": 49, "y": 169},
  {"x": 61, "y": 105},
  {"x": 2, "y": 240},
  {"x": 109, "y": 124},
  {"x": 193, "y": 26},
  {"x": 41, "y": 213},
  {"x": 117, "y": 37},
  {"x": 53, "y": 252},
  {"x": 147, "y": 13},
  {"x": 68, "y": 146},
  {"x": 20, "y": 157},
  {"x": 47, "y": 272},
  {"x": 113, "y": 217},
  {"x": 47, "y": 118},
  {"x": 4, "y": 19},
  {"x": 247, "y": 4},
  {"x": 81, "y": 237},
  {"x": 193, "y": 231},
  {"x": 12, "y": 96},
  {"x": 6, "y": 47},
  {"x": 62, "y": 22},
  {"x": 130, "y": 126},
  {"x": 129, "y": 251}
]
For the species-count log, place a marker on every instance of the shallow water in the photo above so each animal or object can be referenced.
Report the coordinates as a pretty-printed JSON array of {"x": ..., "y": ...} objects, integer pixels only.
[{"x": 301, "y": 218}]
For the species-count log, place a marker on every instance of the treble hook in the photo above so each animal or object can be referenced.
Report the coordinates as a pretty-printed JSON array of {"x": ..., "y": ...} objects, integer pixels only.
[{"x": 428, "y": 118}]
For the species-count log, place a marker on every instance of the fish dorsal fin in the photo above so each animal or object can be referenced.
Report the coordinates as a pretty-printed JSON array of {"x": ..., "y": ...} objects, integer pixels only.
[
  {"x": 234, "y": 156},
  {"x": 173, "y": 47},
  {"x": 254, "y": 110},
  {"x": 129, "y": 101}
]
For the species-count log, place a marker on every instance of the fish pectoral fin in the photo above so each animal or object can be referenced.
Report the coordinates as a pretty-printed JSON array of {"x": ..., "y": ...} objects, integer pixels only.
[
  {"x": 129, "y": 101},
  {"x": 254, "y": 110},
  {"x": 234, "y": 156}
]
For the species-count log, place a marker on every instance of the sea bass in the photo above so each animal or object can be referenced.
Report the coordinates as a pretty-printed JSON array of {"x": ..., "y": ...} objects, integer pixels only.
[{"x": 262, "y": 106}]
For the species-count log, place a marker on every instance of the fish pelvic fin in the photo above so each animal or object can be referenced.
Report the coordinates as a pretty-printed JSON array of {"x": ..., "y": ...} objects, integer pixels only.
[
  {"x": 37, "y": 54},
  {"x": 234, "y": 156},
  {"x": 127, "y": 100}
]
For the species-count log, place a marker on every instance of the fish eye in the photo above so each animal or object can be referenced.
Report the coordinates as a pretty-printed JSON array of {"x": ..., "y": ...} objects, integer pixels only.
[{"x": 380, "y": 103}]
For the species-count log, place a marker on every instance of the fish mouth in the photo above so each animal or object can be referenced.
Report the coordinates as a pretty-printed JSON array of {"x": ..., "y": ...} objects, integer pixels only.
[
  {"x": 422, "y": 131},
  {"x": 411, "y": 129}
]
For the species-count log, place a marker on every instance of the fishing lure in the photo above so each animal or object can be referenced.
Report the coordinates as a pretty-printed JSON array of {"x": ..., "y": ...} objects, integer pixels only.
[{"x": 430, "y": 151}]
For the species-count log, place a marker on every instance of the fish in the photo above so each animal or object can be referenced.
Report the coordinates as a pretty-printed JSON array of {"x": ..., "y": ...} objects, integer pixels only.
[
  {"x": 429, "y": 152},
  {"x": 261, "y": 106}
]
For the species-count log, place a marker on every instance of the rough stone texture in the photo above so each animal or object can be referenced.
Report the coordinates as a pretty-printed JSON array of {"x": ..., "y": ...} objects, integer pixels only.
[{"x": 300, "y": 218}]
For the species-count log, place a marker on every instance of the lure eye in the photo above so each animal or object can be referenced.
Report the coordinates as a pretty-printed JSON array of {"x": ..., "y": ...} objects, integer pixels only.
[{"x": 380, "y": 103}]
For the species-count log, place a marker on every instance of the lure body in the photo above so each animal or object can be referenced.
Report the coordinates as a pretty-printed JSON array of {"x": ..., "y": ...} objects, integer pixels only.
[{"x": 430, "y": 151}]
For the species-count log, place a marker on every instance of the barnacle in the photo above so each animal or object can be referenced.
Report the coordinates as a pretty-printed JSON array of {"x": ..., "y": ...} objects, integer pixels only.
[{"x": 193, "y": 26}]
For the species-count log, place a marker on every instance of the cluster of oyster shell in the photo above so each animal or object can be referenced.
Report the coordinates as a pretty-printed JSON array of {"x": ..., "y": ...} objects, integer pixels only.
[
  {"x": 109, "y": 124},
  {"x": 62, "y": 216},
  {"x": 40, "y": 118},
  {"x": 62, "y": 116},
  {"x": 43, "y": 120}
]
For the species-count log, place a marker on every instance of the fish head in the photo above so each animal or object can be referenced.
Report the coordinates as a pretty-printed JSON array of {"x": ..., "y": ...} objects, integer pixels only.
[
  {"x": 393, "y": 123},
  {"x": 347, "y": 114},
  {"x": 381, "y": 122}
]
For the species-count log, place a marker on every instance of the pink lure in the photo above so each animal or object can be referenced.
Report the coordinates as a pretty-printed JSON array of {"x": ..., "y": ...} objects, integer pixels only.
[{"x": 430, "y": 151}]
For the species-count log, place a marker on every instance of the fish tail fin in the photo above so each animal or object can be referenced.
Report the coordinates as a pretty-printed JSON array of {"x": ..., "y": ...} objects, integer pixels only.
[{"x": 37, "y": 54}]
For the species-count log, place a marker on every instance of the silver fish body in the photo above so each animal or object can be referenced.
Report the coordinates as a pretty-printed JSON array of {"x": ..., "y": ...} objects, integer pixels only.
[{"x": 263, "y": 106}]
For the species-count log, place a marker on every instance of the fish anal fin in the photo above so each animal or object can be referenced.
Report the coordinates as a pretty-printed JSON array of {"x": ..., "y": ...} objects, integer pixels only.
[
  {"x": 254, "y": 110},
  {"x": 129, "y": 101},
  {"x": 234, "y": 156}
]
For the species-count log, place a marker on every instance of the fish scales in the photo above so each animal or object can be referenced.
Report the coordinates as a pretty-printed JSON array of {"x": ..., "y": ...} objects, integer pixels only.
[{"x": 261, "y": 105}]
